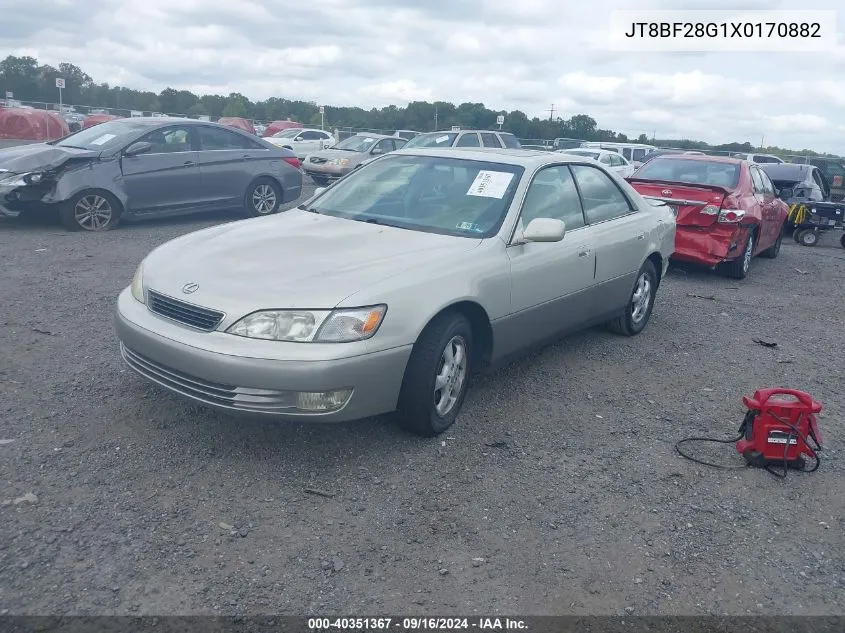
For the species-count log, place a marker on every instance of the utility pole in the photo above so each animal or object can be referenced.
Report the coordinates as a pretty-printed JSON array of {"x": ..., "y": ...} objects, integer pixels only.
[
  {"x": 435, "y": 117},
  {"x": 551, "y": 112},
  {"x": 762, "y": 138}
]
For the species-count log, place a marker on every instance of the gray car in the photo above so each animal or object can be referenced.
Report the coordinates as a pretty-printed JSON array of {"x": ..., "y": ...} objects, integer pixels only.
[
  {"x": 140, "y": 168},
  {"x": 465, "y": 138},
  {"x": 330, "y": 164},
  {"x": 393, "y": 284}
]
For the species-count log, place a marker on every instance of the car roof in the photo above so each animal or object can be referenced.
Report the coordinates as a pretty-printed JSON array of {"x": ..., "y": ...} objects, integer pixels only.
[
  {"x": 370, "y": 135},
  {"x": 782, "y": 169},
  {"x": 520, "y": 157}
]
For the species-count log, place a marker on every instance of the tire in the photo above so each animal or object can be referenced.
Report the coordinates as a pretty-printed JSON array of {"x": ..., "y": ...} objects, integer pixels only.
[
  {"x": 808, "y": 237},
  {"x": 796, "y": 234},
  {"x": 739, "y": 267},
  {"x": 773, "y": 250},
  {"x": 262, "y": 197},
  {"x": 842, "y": 240},
  {"x": 419, "y": 409},
  {"x": 92, "y": 210},
  {"x": 640, "y": 304}
]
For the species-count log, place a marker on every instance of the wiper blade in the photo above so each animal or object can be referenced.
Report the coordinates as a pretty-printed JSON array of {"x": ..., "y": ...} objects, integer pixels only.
[{"x": 304, "y": 207}]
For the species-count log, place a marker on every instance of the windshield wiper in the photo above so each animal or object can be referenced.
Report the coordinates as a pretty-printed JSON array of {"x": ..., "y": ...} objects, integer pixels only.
[{"x": 304, "y": 207}]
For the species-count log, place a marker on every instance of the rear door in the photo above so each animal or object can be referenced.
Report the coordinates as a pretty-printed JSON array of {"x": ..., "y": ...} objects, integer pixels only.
[
  {"x": 765, "y": 208},
  {"x": 166, "y": 178},
  {"x": 618, "y": 229},
  {"x": 225, "y": 169}
]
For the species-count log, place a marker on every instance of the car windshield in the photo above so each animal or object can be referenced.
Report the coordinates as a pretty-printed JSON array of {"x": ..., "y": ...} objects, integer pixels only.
[
  {"x": 289, "y": 133},
  {"x": 670, "y": 168},
  {"x": 434, "y": 139},
  {"x": 357, "y": 143},
  {"x": 449, "y": 196},
  {"x": 104, "y": 136}
]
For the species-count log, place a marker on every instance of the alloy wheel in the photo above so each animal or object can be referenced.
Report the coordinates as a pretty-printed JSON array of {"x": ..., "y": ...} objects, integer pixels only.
[
  {"x": 641, "y": 298},
  {"x": 93, "y": 212},
  {"x": 451, "y": 375},
  {"x": 263, "y": 199}
]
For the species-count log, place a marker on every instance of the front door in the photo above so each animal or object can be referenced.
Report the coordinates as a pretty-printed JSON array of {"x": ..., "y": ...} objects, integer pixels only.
[
  {"x": 167, "y": 177},
  {"x": 764, "y": 193},
  {"x": 550, "y": 282}
]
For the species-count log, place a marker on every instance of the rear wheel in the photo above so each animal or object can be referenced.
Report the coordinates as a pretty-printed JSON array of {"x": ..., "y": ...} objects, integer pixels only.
[
  {"x": 640, "y": 304},
  {"x": 91, "y": 210},
  {"x": 739, "y": 267},
  {"x": 774, "y": 249},
  {"x": 263, "y": 197},
  {"x": 437, "y": 376},
  {"x": 808, "y": 237},
  {"x": 842, "y": 240}
]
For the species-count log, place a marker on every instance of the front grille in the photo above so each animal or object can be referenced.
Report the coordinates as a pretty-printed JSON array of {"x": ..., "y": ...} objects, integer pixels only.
[
  {"x": 317, "y": 161},
  {"x": 187, "y": 313},
  {"x": 228, "y": 396}
]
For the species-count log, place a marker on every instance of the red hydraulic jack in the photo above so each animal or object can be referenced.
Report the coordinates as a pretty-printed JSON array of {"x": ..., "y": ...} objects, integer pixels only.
[{"x": 776, "y": 433}]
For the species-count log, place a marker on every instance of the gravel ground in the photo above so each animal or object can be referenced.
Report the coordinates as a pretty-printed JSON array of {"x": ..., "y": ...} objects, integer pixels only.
[{"x": 558, "y": 491}]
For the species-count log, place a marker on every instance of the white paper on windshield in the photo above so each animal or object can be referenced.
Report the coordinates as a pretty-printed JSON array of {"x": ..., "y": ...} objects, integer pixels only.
[
  {"x": 102, "y": 140},
  {"x": 368, "y": 140},
  {"x": 442, "y": 139},
  {"x": 490, "y": 184}
]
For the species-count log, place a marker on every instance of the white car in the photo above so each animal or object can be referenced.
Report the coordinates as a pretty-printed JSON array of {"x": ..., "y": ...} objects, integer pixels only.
[
  {"x": 302, "y": 141},
  {"x": 611, "y": 160},
  {"x": 760, "y": 159}
]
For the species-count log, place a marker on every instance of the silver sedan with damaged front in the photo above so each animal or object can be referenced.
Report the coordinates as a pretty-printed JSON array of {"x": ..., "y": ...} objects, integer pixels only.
[{"x": 387, "y": 290}]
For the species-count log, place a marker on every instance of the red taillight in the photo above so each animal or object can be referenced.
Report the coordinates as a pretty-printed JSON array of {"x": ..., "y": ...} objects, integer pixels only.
[
  {"x": 730, "y": 213},
  {"x": 293, "y": 161}
]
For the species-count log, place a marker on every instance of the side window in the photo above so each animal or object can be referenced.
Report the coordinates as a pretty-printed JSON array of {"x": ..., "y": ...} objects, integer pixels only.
[
  {"x": 490, "y": 140},
  {"x": 383, "y": 147},
  {"x": 757, "y": 180},
  {"x": 310, "y": 135},
  {"x": 605, "y": 159},
  {"x": 169, "y": 140},
  {"x": 552, "y": 194},
  {"x": 638, "y": 154},
  {"x": 325, "y": 136},
  {"x": 602, "y": 198},
  {"x": 626, "y": 152},
  {"x": 768, "y": 187},
  {"x": 400, "y": 142},
  {"x": 510, "y": 141},
  {"x": 616, "y": 161},
  {"x": 212, "y": 138},
  {"x": 468, "y": 140}
]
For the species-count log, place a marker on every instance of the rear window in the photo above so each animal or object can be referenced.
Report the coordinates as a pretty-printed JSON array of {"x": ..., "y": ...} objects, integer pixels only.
[
  {"x": 510, "y": 141},
  {"x": 694, "y": 172},
  {"x": 639, "y": 154},
  {"x": 765, "y": 159}
]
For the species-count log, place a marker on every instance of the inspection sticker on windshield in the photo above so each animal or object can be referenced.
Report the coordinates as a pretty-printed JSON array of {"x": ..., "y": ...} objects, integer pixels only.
[
  {"x": 490, "y": 184},
  {"x": 368, "y": 140},
  {"x": 102, "y": 140}
]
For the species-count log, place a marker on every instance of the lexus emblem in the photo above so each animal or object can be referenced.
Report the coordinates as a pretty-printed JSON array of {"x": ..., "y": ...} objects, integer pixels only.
[
  {"x": 666, "y": 192},
  {"x": 190, "y": 288}
]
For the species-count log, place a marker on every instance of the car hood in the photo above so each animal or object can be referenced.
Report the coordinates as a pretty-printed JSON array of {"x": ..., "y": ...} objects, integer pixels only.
[
  {"x": 294, "y": 260},
  {"x": 39, "y": 157}
]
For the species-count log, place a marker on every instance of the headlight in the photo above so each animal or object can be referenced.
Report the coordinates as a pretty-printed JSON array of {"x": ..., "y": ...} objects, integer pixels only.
[
  {"x": 138, "y": 284},
  {"x": 15, "y": 180},
  {"x": 311, "y": 326},
  {"x": 340, "y": 162}
]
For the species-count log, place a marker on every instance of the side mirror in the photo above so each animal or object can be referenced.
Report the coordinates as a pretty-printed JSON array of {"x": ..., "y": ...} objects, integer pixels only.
[
  {"x": 319, "y": 190},
  {"x": 376, "y": 150},
  {"x": 141, "y": 147},
  {"x": 298, "y": 138},
  {"x": 544, "y": 230}
]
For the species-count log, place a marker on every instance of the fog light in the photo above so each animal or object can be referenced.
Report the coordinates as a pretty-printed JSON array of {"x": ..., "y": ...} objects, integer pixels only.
[{"x": 322, "y": 400}]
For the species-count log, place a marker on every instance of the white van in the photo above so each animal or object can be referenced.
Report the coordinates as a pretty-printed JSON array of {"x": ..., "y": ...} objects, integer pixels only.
[{"x": 634, "y": 152}]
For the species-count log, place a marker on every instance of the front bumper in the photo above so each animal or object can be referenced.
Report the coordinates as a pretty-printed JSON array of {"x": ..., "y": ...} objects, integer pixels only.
[
  {"x": 708, "y": 246},
  {"x": 325, "y": 170},
  {"x": 198, "y": 366}
]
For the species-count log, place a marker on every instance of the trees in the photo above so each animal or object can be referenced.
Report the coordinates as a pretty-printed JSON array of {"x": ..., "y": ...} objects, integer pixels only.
[{"x": 32, "y": 82}]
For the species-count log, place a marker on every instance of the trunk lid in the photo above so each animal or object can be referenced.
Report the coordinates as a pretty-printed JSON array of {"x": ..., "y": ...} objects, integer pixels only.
[{"x": 694, "y": 205}]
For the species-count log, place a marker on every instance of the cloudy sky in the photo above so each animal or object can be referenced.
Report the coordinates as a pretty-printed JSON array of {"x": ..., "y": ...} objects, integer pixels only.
[{"x": 508, "y": 54}]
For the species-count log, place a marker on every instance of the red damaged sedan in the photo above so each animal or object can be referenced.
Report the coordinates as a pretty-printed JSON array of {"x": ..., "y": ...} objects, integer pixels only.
[{"x": 727, "y": 209}]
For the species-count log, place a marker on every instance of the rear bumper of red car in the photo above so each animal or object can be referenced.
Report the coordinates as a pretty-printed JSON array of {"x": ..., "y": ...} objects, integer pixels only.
[{"x": 708, "y": 246}]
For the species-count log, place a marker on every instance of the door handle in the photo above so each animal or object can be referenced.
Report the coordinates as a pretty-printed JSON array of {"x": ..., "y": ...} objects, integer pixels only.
[
  {"x": 188, "y": 163},
  {"x": 641, "y": 236},
  {"x": 584, "y": 253}
]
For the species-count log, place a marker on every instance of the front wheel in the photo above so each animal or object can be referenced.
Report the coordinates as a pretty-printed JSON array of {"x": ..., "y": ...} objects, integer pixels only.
[
  {"x": 263, "y": 197},
  {"x": 91, "y": 211},
  {"x": 739, "y": 267},
  {"x": 808, "y": 237},
  {"x": 437, "y": 376},
  {"x": 640, "y": 304}
]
